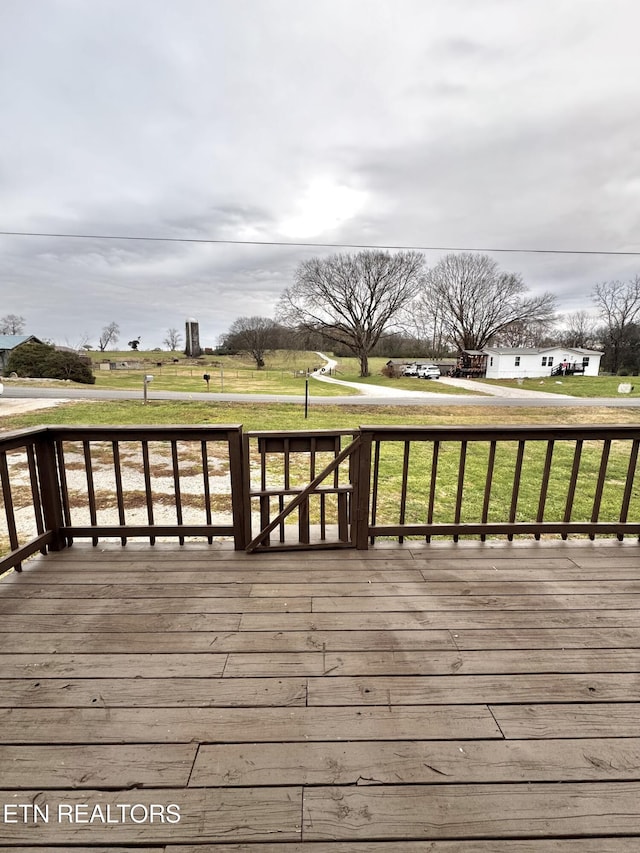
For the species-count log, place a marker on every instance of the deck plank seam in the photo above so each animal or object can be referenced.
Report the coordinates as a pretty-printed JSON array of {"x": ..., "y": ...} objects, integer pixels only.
[
  {"x": 193, "y": 764},
  {"x": 224, "y": 666},
  {"x": 490, "y": 709}
]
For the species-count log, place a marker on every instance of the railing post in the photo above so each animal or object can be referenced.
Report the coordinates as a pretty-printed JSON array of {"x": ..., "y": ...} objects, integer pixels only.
[
  {"x": 50, "y": 490},
  {"x": 238, "y": 471},
  {"x": 362, "y": 491},
  {"x": 8, "y": 506}
]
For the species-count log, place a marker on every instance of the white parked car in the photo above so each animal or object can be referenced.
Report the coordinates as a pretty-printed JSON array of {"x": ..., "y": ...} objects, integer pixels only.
[{"x": 428, "y": 371}]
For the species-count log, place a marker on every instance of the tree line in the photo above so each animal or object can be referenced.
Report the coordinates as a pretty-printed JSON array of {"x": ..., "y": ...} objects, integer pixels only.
[{"x": 377, "y": 302}]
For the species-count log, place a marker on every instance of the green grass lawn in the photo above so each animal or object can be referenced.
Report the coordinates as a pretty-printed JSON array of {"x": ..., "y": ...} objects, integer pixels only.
[
  {"x": 230, "y": 380},
  {"x": 288, "y": 416},
  {"x": 275, "y": 360},
  {"x": 255, "y": 416},
  {"x": 284, "y": 373},
  {"x": 134, "y": 355},
  {"x": 574, "y": 386}
]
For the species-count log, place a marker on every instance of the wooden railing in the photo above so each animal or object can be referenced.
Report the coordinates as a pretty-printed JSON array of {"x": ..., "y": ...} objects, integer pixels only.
[
  {"x": 32, "y": 452},
  {"x": 487, "y": 481},
  {"x": 378, "y": 481},
  {"x": 146, "y": 467},
  {"x": 301, "y": 479}
]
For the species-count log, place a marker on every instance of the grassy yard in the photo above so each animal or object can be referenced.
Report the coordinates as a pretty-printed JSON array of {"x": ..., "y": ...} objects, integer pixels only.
[
  {"x": 288, "y": 360},
  {"x": 291, "y": 417},
  {"x": 256, "y": 416},
  {"x": 285, "y": 373},
  {"x": 230, "y": 380},
  {"x": 574, "y": 386}
]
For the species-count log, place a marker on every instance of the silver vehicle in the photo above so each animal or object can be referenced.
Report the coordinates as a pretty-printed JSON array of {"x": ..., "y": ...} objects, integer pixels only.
[{"x": 428, "y": 371}]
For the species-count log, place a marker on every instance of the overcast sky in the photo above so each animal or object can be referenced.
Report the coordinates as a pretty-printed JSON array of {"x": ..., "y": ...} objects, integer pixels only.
[{"x": 481, "y": 124}]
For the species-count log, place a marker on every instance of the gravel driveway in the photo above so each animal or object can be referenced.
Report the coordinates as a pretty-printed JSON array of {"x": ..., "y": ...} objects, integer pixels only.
[{"x": 498, "y": 390}]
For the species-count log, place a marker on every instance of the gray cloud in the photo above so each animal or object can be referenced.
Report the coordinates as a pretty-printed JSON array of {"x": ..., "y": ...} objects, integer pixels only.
[{"x": 449, "y": 123}]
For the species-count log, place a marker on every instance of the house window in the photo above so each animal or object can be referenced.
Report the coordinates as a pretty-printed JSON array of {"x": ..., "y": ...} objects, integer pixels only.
[
  {"x": 544, "y": 361},
  {"x": 550, "y": 362},
  {"x": 517, "y": 361},
  {"x": 491, "y": 361},
  {"x": 585, "y": 361}
]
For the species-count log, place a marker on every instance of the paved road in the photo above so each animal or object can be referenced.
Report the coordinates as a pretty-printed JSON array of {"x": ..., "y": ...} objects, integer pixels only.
[{"x": 429, "y": 401}]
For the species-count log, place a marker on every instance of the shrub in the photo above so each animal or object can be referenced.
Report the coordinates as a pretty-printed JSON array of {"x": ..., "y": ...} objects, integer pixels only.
[
  {"x": 41, "y": 361},
  {"x": 67, "y": 365},
  {"x": 392, "y": 371}
]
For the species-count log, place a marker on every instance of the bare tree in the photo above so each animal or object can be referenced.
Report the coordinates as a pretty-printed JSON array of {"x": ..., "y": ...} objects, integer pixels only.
[
  {"x": 81, "y": 342},
  {"x": 476, "y": 301},
  {"x": 110, "y": 335},
  {"x": 352, "y": 299},
  {"x": 579, "y": 330},
  {"x": 256, "y": 336},
  {"x": 525, "y": 333},
  {"x": 619, "y": 303},
  {"x": 173, "y": 339},
  {"x": 425, "y": 324},
  {"x": 12, "y": 324}
]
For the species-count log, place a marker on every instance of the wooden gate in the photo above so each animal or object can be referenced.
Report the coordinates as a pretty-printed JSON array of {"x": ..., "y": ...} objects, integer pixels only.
[{"x": 308, "y": 474}]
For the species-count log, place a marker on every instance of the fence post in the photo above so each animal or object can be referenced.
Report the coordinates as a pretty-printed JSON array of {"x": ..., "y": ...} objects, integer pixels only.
[
  {"x": 50, "y": 490},
  {"x": 362, "y": 490},
  {"x": 238, "y": 470}
]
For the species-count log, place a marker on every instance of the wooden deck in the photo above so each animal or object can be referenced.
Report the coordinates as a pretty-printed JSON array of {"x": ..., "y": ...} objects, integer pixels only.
[{"x": 450, "y": 699}]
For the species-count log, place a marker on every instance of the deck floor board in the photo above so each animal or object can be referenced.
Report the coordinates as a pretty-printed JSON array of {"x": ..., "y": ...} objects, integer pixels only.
[{"x": 409, "y": 698}]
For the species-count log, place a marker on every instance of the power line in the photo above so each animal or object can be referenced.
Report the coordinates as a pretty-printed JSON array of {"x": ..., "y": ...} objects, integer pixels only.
[{"x": 295, "y": 244}]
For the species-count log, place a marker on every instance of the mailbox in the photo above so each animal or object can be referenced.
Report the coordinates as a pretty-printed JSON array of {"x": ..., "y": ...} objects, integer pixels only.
[
  {"x": 147, "y": 379},
  {"x": 206, "y": 377}
]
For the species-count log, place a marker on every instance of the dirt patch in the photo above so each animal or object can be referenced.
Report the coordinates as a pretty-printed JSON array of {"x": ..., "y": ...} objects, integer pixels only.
[{"x": 19, "y": 407}]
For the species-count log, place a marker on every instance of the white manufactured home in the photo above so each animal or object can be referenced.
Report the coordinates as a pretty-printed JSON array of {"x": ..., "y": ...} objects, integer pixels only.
[{"x": 522, "y": 362}]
